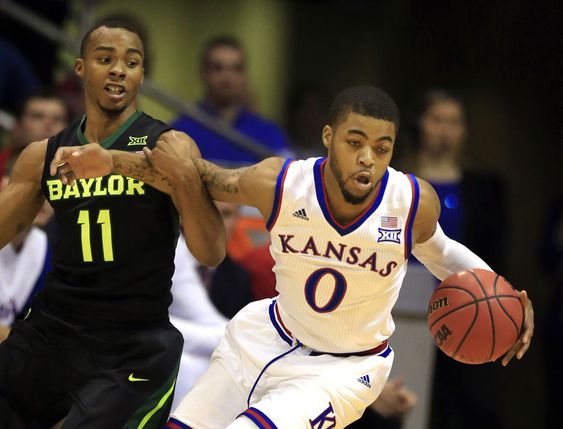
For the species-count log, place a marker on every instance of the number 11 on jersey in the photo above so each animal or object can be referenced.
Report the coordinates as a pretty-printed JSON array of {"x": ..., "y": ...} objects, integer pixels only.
[{"x": 105, "y": 222}]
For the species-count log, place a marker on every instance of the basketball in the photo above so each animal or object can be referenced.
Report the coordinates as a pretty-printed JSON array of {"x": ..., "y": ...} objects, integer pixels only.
[{"x": 475, "y": 316}]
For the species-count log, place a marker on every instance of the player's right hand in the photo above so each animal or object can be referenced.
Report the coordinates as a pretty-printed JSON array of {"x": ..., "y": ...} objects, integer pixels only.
[{"x": 81, "y": 162}]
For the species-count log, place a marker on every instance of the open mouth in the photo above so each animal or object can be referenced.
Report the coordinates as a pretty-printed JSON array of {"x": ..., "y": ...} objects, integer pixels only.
[
  {"x": 114, "y": 90},
  {"x": 362, "y": 179}
]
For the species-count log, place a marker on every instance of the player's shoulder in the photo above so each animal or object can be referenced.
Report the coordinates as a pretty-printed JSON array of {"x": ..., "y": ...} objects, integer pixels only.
[
  {"x": 146, "y": 123},
  {"x": 31, "y": 161}
]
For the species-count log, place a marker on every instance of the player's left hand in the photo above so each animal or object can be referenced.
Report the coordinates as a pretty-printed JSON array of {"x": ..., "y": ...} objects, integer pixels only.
[
  {"x": 522, "y": 344},
  {"x": 395, "y": 400}
]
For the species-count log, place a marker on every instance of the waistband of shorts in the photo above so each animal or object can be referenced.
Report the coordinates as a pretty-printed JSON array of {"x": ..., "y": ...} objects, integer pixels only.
[{"x": 286, "y": 335}]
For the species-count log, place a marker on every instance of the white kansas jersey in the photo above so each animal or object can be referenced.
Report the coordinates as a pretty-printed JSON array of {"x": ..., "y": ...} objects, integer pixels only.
[{"x": 338, "y": 283}]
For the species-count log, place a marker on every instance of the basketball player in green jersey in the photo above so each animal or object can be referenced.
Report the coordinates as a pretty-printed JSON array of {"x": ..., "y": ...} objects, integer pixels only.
[{"x": 97, "y": 347}]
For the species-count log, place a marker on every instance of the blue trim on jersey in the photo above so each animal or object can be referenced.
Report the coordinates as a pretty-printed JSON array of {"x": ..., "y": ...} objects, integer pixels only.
[
  {"x": 280, "y": 330},
  {"x": 178, "y": 423},
  {"x": 412, "y": 213},
  {"x": 355, "y": 224},
  {"x": 266, "y": 367},
  {"x": 278, "y": 194},
  {"x": 255, "y": 419},
  {"x": 385, "y": 352}
]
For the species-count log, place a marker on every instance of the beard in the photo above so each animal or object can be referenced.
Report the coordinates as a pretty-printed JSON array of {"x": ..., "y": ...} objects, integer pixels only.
[{"x": 348, "y": 196}]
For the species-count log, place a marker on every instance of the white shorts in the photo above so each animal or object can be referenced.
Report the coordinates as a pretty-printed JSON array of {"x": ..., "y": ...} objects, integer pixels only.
[{"x": 259, "y": 372}]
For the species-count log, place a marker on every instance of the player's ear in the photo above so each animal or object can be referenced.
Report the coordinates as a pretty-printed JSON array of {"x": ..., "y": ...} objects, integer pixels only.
[
  {"x": 327, "y": 135},
  {"x": 79, "y": 67}
]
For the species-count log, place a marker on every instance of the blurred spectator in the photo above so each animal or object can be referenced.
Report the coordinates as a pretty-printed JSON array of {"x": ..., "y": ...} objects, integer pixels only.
[
  {"x": 307, "y": 113},
  {"x": 552, "y": 262},
  {"x": 193, "y": 314},
  {"x": 473, "y": 214},
  {"x": 39, "y": 115},
  {"x": 229, "y": 283},
  {"x": 224, "y": 78},
  {"x": 17, "y": 77}
]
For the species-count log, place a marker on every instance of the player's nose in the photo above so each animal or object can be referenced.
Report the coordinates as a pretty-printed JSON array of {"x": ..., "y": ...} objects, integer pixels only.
[{"x": 366, "y": 156}]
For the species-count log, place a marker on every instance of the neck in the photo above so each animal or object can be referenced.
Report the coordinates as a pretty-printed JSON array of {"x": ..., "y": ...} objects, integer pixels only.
[
  {"x": 100, "y": 124},
  {"x": 438, "y": 169}
]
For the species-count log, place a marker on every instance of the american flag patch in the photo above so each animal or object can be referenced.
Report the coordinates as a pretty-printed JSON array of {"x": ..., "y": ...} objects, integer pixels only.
[{"x": 389, "y": 221}]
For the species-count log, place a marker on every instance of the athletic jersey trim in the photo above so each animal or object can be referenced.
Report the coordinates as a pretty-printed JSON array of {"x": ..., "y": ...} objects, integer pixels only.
[
  {"x": 259, "y": 418},
  {"x": 412, "y": 213},
  {"x": 110, "y": 140},
  {"x": 278, "y": 195},
  {"x": 322, "y": 198},
  {"x": 176, "y": 424}
]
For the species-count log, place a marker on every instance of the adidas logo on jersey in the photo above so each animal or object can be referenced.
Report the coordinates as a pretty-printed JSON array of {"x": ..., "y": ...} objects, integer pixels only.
[
  {"x": 301, "y": 214},
  {"x": 364, "y": 379}
]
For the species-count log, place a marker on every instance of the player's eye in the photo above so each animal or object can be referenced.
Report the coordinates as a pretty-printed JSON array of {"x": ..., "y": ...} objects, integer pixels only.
[
  {"x": 132, "y": 63},
  {"x": 354, "y": 143}
]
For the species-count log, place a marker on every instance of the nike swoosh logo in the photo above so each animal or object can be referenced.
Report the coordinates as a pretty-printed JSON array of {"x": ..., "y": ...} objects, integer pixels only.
[{"x": 134, "y": 379}]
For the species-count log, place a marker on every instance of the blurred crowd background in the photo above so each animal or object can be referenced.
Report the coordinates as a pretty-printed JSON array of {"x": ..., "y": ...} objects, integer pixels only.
[{"x": 502, "y": 60}]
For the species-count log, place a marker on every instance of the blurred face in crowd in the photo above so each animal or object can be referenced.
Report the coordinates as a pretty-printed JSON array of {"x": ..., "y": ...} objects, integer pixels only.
[
  {"x": 442, "y": 128},
  {"x": 230, "y": 213},
  {"x": 359, "y": 152},
  {"x": 41, "y": 118},
  {"x": 224, "y": 76},
  {"x": 112, "y": 69}
]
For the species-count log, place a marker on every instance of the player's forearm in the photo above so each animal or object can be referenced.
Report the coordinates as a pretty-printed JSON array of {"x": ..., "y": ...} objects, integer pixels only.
[
  {"x": 202, "y": 224},
  {"x": 138, "y": 167},
  {"x": 444, "y": 256},
  {"x": 222, "y": 184}
]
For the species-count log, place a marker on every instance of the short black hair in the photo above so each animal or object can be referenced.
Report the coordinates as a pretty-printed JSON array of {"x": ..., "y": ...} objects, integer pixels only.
[
  {"x": 128, "y": 25},
  {"x": 41, "y": 93},
  {"x": 366, "y": 101},
  {"x": 224, "y": 40}
]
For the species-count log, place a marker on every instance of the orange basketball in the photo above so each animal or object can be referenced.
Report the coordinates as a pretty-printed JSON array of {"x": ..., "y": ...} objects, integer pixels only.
[{"x": 475, "y": 316}]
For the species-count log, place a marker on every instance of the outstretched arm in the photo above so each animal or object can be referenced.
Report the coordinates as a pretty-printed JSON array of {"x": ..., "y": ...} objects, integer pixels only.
[
  {"x": 444, "y": 256},
  {"x": 250, "y": 186},
  {"x": 21, "y": 200}
]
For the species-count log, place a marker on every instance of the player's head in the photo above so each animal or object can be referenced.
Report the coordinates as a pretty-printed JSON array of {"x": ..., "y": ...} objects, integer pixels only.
[
  {"x": 111, "y": 65},
  {"x": 39, "y": 115},
  {"x": 223, "y": 71},
  {"x": 439, "y": 123},
  {"x": 360, "y": 136}
]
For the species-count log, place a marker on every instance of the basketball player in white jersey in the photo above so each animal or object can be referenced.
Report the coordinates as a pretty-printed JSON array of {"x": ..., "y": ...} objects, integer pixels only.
[{"x": 342, "y": 228}]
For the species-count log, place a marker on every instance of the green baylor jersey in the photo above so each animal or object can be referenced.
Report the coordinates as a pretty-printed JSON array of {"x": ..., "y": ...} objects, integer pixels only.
[{"x": 114, "y": 260}]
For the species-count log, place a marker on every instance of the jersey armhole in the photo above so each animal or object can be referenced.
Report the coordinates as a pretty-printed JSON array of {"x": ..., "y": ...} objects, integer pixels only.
[
  {"x": 412, "y": 214},
  {"x": 278, "y": 195}
]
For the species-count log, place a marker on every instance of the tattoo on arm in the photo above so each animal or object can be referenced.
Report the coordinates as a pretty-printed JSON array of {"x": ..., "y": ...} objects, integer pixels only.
[
  {"x": 145, "y": 172},
  {"x": 218, "y": 178}
]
